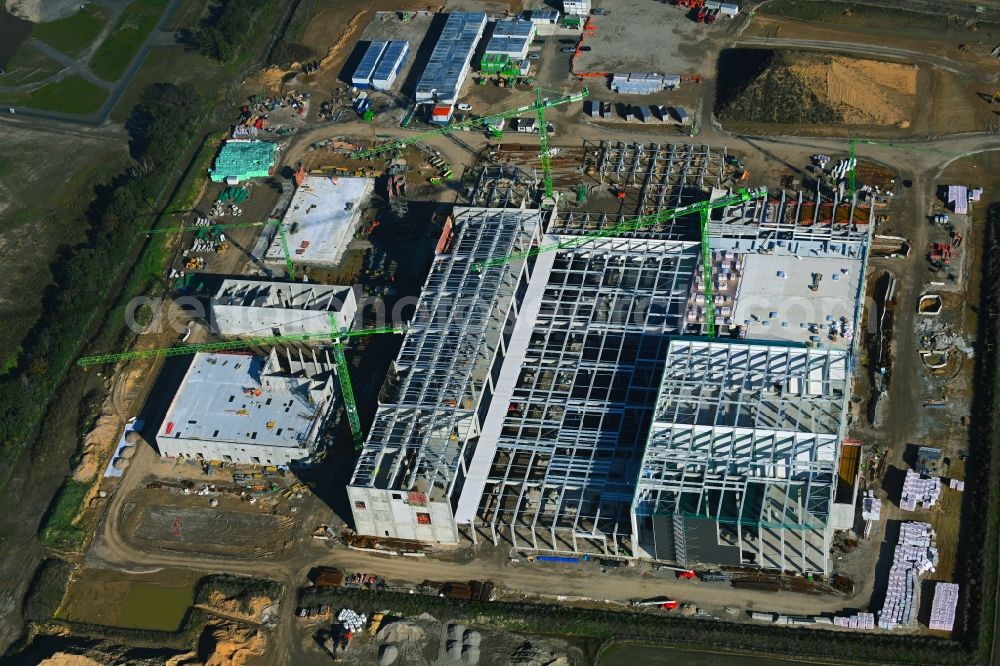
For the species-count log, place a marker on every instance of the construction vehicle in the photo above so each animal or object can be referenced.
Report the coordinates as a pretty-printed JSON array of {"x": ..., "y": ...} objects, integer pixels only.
[
  {"x": 816, "y": 278},
  {"x": 995, "y": 97},
  {"x": 701, "y": 208}
]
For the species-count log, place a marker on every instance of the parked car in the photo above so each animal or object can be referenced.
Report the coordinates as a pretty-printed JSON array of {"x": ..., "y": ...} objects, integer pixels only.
[
  {"x": 533, "y": 56},
  {"x": 567, "y": 41},
  {"x": 568, "y": 49},
  {"x": 597, "y": 11},
  {"x": 584, "y": 48},
  {"x": 465, "y": 107}
]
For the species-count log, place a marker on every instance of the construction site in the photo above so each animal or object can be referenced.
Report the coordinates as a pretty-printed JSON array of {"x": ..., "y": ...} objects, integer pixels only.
[{"x": 478, "y": 309}]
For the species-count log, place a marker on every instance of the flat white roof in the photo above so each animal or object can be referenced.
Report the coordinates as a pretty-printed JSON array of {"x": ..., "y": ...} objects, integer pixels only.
[
  {"x": 238, "y": 398},
  {"x": 773, "y": 295},
  {"x": 321, "y": 219}
]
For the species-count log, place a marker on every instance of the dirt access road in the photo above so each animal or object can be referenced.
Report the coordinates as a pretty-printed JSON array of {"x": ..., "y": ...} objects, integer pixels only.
[{"x": 111, "y": 549}]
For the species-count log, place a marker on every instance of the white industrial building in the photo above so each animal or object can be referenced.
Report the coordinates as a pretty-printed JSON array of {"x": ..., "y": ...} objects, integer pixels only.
[
  {"x": 320, "y": 220},
  {"x": 450, "y": 61},
  {"x": 247, "y": 409},
  {"x": 257, "y": 308},
  {"x": 511, "y": 37}
]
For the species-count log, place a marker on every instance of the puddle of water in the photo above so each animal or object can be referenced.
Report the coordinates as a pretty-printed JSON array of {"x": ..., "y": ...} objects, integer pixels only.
[{"x": 157, "y": 607}]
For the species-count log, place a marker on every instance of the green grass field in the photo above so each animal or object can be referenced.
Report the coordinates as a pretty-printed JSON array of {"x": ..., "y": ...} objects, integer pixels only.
[
  {"x": 168, "y": 63},
  {"x": 29, "y": 65},
  {"x": 58, "y": 530},
  {"x": 73, "y": 34},
  {"x": 120, "y": 46},
  {"x": 71, "y": 95}
]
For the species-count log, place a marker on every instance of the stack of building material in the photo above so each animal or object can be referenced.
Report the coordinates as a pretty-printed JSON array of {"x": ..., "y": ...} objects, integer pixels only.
[
  {"x": 975, "y": 193},
  {"x": 955, "y": 484},
  {"x": 915, "y": 554},
  {"x": 958, "y": 198},
  {"x": 943, "y": 609},
  {"x": 919, "y": 491},
  {"x": 856, "y": 621},
  {"x": 871, "y": 511}
]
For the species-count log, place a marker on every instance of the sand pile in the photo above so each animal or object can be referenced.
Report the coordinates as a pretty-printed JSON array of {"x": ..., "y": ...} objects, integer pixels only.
[
  {"x": 863, "y": 92},
  {"x": 799, "y": 88},
  {"x": 63, "y": 659},
  {"x": 232, "y": 644}
]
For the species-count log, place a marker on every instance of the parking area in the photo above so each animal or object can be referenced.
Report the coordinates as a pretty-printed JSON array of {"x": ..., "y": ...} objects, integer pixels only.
[{"x": 651, "y": 37}]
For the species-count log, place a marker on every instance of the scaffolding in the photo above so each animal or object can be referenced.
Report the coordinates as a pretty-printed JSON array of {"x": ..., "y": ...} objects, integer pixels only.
[
  {"x": 559, "y": 450},
  {"x": 741, "y": 462}
]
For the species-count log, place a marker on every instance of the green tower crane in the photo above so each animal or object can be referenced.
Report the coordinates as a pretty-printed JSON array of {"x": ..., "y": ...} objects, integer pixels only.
[
  {"x": 543, "y": 145},
  {"x": 289, "y": 268},
  {"x": 701, "y": 208}
]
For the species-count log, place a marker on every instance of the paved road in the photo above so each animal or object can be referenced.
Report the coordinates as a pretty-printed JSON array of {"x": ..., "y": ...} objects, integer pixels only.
[{"x": 155, "y": 38}]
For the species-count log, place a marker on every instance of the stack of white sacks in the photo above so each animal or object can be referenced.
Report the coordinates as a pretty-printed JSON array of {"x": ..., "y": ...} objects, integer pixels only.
[
  {"x": 352, "y": 621},
  {"x": 915, "y": 555},
  {"x": 921, "y": 491},
  {"x": 943, "y": 608},
  {"x": 857, "y": 621}
]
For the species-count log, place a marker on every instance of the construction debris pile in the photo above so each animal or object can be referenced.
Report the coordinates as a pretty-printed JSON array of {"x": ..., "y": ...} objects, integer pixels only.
[
  {"x": 915, "y": 554},
  {"x": 919, "y": 490},
  {"x": 943, "y": 608}
]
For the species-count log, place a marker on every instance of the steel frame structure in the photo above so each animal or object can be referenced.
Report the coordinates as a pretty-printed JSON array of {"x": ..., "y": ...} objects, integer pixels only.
[
  {"x": 556, "y": 462},
  {"x": 427, "y": 411},
  {"x": 745, "y": 436}
]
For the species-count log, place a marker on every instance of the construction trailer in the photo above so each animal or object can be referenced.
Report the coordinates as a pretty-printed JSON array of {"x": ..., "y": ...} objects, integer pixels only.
[
  {"x": 392, "y": 60},
  {"x": 250, "y": 307},
  {"x": 362, "y": 77},
  {"x": 511, "y": 37},
  {"x": 576, "y": 7},
  {"x": 251, "y": 410}
]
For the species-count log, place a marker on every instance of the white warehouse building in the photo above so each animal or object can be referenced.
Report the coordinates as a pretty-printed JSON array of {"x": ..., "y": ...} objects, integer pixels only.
[
  {"x": 248, "y": 307},
  {"x": 248, "y": 409},
  {"x": 449, "y": 63}
]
